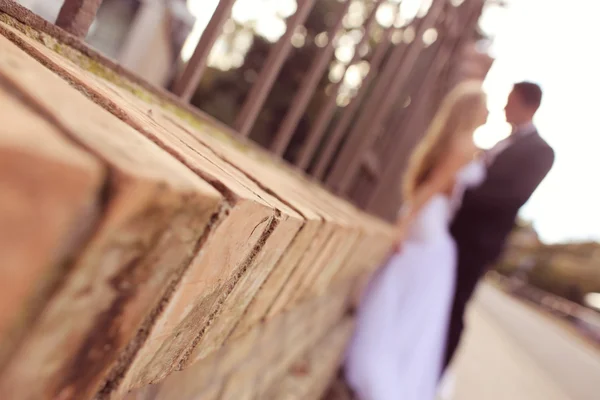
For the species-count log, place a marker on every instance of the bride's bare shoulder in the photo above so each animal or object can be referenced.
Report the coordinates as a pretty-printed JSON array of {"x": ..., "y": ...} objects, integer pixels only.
[{"x": 463, "y": 149}]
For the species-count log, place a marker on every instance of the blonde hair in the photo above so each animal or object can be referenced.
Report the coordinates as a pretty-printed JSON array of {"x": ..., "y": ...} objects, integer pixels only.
[{"x": 460, "y": 113}]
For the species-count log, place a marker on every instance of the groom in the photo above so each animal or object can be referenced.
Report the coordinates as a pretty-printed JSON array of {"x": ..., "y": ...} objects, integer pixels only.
[{"x": 516, "y": 166}]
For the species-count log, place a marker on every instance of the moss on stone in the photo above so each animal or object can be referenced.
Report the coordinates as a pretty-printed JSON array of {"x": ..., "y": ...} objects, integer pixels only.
[{"x": 102, "y": 71}]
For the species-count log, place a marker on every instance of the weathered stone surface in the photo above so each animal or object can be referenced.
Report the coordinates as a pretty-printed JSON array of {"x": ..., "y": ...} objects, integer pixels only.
[
  {"x": 300, "y": 249},
  {"x": 344, "y": 230},
  {"x": 281, "y": 343},
  {"x": 213, "y": 392},
  {"x": 256, "y": 360},
  {"x": 242, "y": 294},
  {"x": 151, "y": 119},
  {"x": 359, "y": 286},
  {"x": 155, "y": 212},
  {"x": 299, "y": 194},
  {"x": 331, "y": 246},
  {"x": 190, "y": 384},
  {"x": 370, "y": 249},
  {"x": 342, "y": 251},
  {"x": 277, "y": 279},
  {"x": 347, "y": 252},
  {"x": 242, "y": 384},
  {"x": 207, "y": 325},
  {"x": 284, "y": 296},
  {"x": 294, "y": 188},
  {"x": 228, "y": 251},
  {"x": 247, "y": 254},
  {"x": 304, "y": 326},
  {"x": 238, "y": 351},
  {"x": 48, "y": 207},
  {"x": 309, "y": 377},
  {"x": 282, "y": 241}
]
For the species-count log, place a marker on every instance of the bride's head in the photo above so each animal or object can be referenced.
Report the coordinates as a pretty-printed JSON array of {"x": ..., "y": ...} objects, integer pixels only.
[{"x": 461, "y": 112}]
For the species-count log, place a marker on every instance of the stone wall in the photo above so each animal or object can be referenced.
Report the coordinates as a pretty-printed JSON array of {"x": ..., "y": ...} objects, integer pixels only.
[{"x": 147, "y": 254}]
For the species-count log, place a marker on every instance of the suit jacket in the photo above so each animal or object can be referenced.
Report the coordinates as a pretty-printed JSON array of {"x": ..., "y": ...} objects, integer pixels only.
[
  {"x": 487, "y": 215},
  {"x": 488, "y": 212}
]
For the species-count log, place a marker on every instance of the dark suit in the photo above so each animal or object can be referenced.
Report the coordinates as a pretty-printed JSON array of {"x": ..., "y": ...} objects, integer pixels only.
[{"x": 487, "y": 216}]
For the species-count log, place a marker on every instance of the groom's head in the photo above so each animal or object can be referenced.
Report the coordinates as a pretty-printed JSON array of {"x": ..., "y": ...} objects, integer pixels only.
[{"x": 523, "y": 102}]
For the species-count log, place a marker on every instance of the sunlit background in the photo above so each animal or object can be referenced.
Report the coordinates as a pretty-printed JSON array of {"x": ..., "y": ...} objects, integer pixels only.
[
  {"x": 268, "y": 21},
  {"x": 267, "y": 18},
  {"x": 547, "y": 41},
  {"x": 551, "y": 42}
]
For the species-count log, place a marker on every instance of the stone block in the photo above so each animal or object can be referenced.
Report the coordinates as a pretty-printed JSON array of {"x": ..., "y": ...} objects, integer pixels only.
[
  {"x": 305, "y": 196},
  {"x": 242, "y": 294},
  {"x": 343, "y": 224},
  {"x": 234, "y": 262},
  {"x": 297, "y": 196},
  {"x": 192, "y": 383},
  {"x": 197, "y": 319},
  {"x": 152, "y": 119},
  {"x": 279, "y": 241},
  {"x": 332, "y": 257},
  {"x": 248, "y": 366},
  {"x": 318, "y": 250},
  {"x": 270, "y": 344},
  {"x": 238, "y": 352},
  {"x": 304, "y": 326},
  {"x": 155, "y": 213},
  {"x": 48, "y": 208},
  {"x": 345, "y": 261},
  {"x": 290, "y": 262},
  {"x": 310, "y": 376},
  {"x": 241, "y": 384}
]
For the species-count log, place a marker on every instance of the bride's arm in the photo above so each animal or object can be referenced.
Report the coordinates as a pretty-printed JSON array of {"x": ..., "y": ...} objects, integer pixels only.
[{"x": 440, "y": 180}]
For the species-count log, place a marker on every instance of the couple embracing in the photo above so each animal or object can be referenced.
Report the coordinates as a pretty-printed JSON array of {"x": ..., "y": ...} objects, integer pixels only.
[{"x": 460, "y": 206}]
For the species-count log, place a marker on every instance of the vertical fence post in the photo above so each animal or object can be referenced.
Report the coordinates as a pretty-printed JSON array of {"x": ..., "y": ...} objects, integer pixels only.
[
  {"x": 76, "y": 16},
  {"x": 186, "y": 83},
  {"x": 261, "y": 88},
  {"x": 307, "y": 88},
  {"x": 364, "y": 124},
  {"x": 390, "y": 176},
  {"x": 395, "y": 139},
  {"x": 372, "y": 117},
  {"x": 349, "y": 112},
  {"x": 323, "y": 118}
]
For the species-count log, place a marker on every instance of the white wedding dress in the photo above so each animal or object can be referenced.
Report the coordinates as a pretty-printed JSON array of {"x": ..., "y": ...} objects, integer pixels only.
[{"x": 399, "y": 343}]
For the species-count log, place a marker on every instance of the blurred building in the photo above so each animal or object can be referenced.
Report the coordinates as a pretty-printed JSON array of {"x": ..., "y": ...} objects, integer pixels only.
[{"x": 145, "y": 36}]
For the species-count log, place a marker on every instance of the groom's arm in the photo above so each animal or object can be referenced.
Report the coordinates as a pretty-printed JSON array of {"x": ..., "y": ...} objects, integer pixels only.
[{"x": 514, "y": 180}]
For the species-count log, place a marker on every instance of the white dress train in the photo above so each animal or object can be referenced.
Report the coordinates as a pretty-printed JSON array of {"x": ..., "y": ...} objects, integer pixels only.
[{"x": 398, "y": 346}]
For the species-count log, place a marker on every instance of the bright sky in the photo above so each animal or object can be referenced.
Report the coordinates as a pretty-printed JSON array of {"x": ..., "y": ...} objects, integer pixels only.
[
  {"x": 547, "y": 41},
  {"x": 552, "y": 42}
]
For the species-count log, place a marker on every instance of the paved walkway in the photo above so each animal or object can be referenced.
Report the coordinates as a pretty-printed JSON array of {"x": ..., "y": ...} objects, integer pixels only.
[{"x": 512, "y": 352}]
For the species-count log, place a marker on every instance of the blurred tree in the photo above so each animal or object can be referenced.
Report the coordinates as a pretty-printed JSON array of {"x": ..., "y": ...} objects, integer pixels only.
[
  {"x": 222, "y": 92},
  {"x": 569, "y": 270}
]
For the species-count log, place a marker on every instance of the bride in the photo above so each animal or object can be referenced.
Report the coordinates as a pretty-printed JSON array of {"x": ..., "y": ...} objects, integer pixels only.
[{"x": 398, "y": 346}]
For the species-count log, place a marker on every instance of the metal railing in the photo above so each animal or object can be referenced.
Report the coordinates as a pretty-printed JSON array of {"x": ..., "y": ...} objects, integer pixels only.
[
  {"x": 584, "y": 319},
  {"x": 358, "y": 138}
]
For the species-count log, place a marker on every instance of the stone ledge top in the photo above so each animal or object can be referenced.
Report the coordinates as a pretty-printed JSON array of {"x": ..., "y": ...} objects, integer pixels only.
[{"x": 21, "y": 26}]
